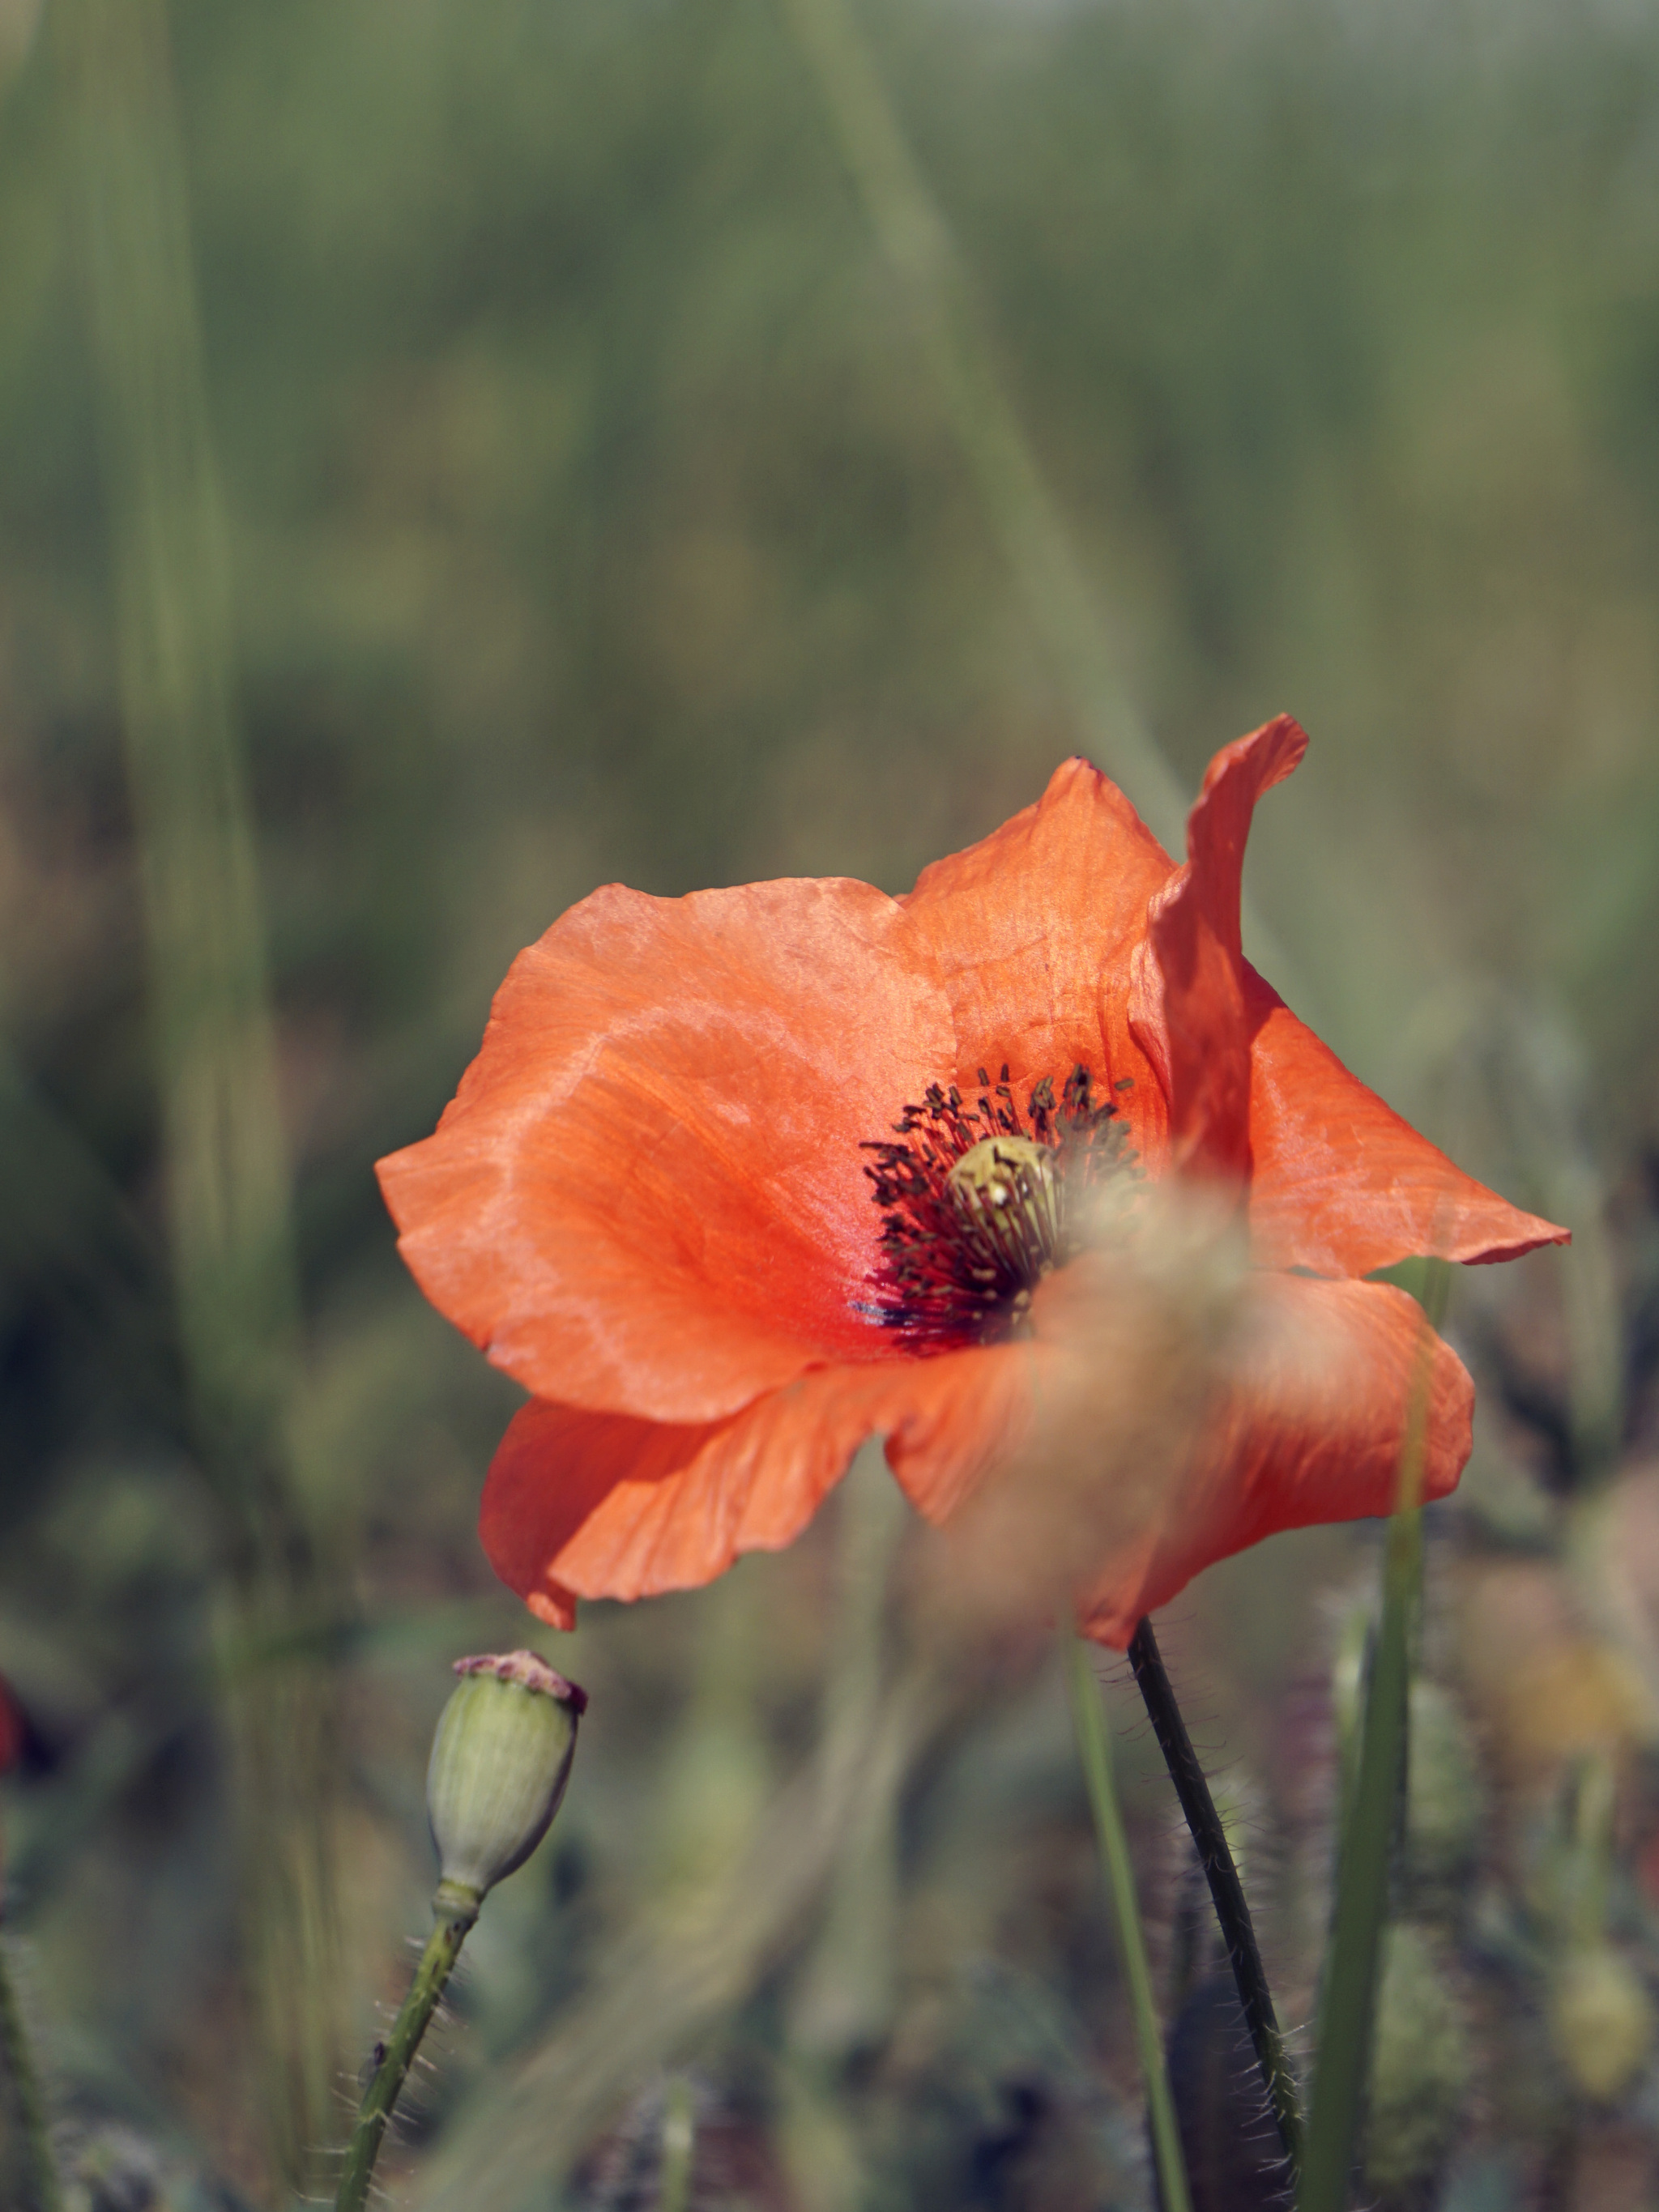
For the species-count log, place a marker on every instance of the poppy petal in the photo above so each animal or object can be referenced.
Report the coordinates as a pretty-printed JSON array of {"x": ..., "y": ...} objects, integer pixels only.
[
  {"x": 1310, "y": 1428},
  {"x": 648, "y": 1195},
  {"x": 585, "y": 1505},
  {"x": 1031, "y": 932},
  {"x": 1340, "y": 1183},
  {"x": 1187, "y": 1006}
]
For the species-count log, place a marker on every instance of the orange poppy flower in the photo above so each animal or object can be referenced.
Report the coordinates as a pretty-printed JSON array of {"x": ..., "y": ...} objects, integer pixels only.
[{"x": 741, "y": 1179}]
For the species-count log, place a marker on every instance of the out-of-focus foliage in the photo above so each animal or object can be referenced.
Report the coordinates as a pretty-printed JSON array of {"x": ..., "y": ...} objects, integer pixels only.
[{"x": 593, "y": 514}]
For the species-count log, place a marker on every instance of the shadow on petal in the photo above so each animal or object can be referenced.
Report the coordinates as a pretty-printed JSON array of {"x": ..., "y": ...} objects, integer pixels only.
[{"x": 581, "y": 1504}]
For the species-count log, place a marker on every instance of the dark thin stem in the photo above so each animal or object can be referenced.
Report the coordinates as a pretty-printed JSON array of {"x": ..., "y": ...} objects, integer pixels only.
[
  {"x": 437, "y": 1964},
  {"x": 1094, "y": 1744},
  {"x": 1226, "y": 1891}
]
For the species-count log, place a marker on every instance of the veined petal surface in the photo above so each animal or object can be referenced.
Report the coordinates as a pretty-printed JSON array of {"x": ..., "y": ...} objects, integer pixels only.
[
  {"x": 585, "y": 1505},
  {"x": 1340, "y": 1182},
  {"x": 1031, "y": 932},
  {"x": 647, "y": 1196}
]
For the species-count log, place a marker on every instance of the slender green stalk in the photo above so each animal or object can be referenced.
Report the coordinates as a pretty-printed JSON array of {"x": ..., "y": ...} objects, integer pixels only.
[
  {"x": 227, "y": 1176},
  {"x": 431, "y": 1978},
  {"x": 1352, "y": 1964},
  {"x": 1351, "y": 1968},
  {"x": 1094, "y": 1745},
  {"x": 227, "y": 1185},
  {"x": 845, "y": 1995},
  {"x": 17, "y": 2061},
  {"x": 679, "y": 2147},
  {"x": 1016, "y": 498},
  {"x": 1226, "y": 1891}
]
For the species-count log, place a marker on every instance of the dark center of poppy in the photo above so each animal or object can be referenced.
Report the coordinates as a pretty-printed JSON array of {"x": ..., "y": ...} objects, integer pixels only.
[{"x": 982, "y": 1202}]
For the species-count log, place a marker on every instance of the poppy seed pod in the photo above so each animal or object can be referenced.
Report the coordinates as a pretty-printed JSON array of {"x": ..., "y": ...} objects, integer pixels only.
[
  {"x": 1421, "y": 2066},
  {"x": 501, "y": 1759},
  {"x": 1447, "y": 1811},
  {"x": 1600, "y": 2021}
]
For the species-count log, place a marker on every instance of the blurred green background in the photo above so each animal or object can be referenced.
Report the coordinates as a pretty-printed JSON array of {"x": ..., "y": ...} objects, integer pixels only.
[{"x": 596, "y": 508}]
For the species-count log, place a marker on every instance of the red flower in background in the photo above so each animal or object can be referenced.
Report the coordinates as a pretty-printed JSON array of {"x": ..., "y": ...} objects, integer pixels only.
[
  {"x": 651, "y": 1200},
  {"x": 13, "y": 1729}
]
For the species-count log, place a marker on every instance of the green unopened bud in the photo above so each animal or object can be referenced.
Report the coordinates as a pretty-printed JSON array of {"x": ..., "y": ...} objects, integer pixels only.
[
  {"x": 1421, "y": 2064},
  {"x": 1446, "y": 1815},
  {"x": 501, "y": 1759},
  {"x": 1600, "y": 2021}
]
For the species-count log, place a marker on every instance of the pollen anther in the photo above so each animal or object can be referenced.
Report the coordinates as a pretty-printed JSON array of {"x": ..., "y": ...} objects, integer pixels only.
[
  {"x": 981, "y": 1203},
  {"x": 1003, "y": 1188}
]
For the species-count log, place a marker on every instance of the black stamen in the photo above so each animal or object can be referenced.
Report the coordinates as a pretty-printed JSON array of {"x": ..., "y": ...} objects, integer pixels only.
[{"x": 954, "y": 1268}]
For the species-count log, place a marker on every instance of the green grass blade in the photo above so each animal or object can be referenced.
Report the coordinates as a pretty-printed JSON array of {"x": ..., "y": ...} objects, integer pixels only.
[
  {"x": 679, "y": 2148},
  {"x": 1094, "y": 1745},
  {"x": 1016, "y": 498},
  {"x": 1350, "y": 2000},
  {"x": 227, "y": 1176},
  {"x": 1348, "y": 2007}
]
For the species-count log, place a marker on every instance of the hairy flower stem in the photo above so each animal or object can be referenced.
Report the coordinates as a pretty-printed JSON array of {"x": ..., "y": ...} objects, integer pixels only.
[
  {"x": 454, "y": 1919},
  {"x": 1094, "y": 1747},
  {"x": 1226, "y": 1891},
  {"x": 17, "y": 2062}
]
